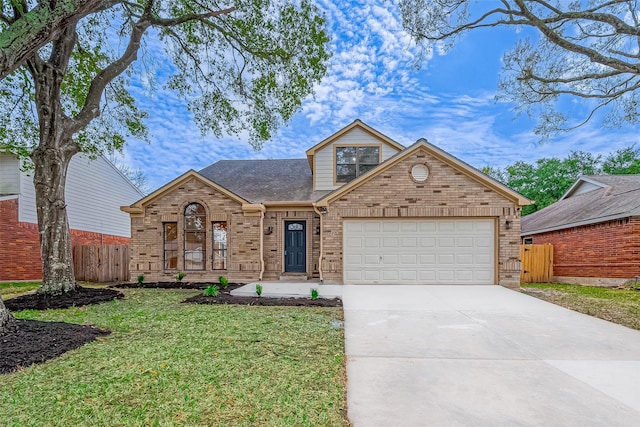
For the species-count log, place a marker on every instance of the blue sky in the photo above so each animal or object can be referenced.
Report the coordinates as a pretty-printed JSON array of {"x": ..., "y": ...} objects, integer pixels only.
[{"x": 449, "y": 101}]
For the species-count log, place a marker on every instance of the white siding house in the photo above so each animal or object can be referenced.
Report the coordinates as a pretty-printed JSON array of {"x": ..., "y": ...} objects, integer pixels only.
[{"x": 95, "y": 190}]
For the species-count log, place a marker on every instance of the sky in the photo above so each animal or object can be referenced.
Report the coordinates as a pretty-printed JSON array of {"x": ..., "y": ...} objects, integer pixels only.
[{"x": 372, "y": 76}]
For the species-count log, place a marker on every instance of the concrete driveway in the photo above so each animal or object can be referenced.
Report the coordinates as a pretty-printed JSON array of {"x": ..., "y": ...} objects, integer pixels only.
[{"x": 484, "y": 356}]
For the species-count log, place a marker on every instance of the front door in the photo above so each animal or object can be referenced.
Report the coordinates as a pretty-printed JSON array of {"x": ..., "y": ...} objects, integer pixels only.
[{"x": 295, "y": 247}]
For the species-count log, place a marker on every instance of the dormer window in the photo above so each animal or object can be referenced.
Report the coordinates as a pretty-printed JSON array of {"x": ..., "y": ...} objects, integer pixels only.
[{"x": 353, "y": 161}]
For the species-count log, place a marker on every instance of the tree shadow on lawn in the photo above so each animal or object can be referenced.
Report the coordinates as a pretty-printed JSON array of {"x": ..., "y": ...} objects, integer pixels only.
[{"x": 33, "y": 341}]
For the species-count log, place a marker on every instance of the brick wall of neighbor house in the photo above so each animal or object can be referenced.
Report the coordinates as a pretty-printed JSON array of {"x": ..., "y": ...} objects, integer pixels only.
[
  {"x": 447, "y": 193},
  {"x": 20, "y": 244},
  {"x": 243, "y": 237},
  {"x": 606, "y": 250}
]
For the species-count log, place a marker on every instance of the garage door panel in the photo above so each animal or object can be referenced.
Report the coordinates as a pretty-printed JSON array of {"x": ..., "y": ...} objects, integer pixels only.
[
  {"x": 390, "y": 275},
  {"x": 446, "y": 259},
  {"x": 390, "y": 242},
  {"x": 431, "y": 251},
  {"x": 409, "y": 260},
  {"x": 390, "y": 227},
  {"x": 409, "y": 242},
  {"x": 371, "y": 259}
]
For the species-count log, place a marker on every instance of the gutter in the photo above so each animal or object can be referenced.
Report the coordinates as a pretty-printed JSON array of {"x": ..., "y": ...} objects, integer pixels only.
[
  {"x": 261, "y": 245},
  {"x": 321, "y": 215}
]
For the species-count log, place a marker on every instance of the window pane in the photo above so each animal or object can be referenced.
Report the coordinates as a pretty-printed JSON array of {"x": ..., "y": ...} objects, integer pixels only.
[
  {"x": 345, "y": 173},
  {"x": 345, "y": 155},
  {"x": 368, "y": 155},
  {"x": 195, "y": 237},
  {"x": 170, "y": 245},
  {"x": 219, "y": 245}
]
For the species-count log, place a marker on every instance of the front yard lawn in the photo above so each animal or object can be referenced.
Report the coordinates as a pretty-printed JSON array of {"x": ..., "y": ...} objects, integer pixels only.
[
  {"x": 10, "y": 289},
  {"x": 620, "y": 306},
  {"x": 168, "y": 363}
]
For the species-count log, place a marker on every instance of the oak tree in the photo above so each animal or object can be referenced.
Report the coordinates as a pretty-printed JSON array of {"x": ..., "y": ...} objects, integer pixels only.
[
  {"x": 244, "y": 67},
  {"x": 584, "y": 49}
]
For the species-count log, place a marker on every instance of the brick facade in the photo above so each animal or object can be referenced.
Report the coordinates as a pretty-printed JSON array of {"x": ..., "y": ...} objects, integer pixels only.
[
  {"x": 243, "y": 236},
  {"x": 20, "y": 244},
  {"x": 605, "y": 250},
  {"x": 446, "y": 193}
]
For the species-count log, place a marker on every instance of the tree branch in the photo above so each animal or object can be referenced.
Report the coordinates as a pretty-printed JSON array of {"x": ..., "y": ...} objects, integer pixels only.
[{"x": 39, "y": 26}]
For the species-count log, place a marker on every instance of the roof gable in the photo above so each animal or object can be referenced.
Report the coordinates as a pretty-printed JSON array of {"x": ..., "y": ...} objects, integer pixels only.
[
  {"x": 583, "y": 185},
  {"x": 441, "y": 155},
  {"x": 345, "y": 130},
  {"x": 137, "y": 207}
]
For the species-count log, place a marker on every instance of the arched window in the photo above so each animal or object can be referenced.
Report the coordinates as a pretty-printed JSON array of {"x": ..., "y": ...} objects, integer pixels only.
[{"x": 195, "y": 237}]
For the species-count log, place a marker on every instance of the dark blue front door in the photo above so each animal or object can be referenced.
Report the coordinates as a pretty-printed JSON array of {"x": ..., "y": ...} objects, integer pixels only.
[{"x": 295, "y": 247}]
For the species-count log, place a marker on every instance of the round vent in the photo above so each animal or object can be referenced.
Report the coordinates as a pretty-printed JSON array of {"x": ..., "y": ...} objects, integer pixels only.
[{"x": 419, "y": 173}]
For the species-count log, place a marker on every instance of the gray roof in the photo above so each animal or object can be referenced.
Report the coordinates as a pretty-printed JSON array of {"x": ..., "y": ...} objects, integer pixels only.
[
  {"x": 618, "y": 198},
  {"x": 259, "y": 181}
]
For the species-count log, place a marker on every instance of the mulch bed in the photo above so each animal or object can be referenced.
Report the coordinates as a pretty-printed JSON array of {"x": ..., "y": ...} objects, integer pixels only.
[
  {"x": 171, "y": 285},
  {"x": 34, "y": 342},
  {"x": 265, "y": 301},
  {"x": 77, "y": 298},
  {"x": 225, "y": 297}
]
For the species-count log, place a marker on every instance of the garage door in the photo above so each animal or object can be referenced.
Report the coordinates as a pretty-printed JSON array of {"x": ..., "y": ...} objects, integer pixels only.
[{"x": 429, "y": 251}]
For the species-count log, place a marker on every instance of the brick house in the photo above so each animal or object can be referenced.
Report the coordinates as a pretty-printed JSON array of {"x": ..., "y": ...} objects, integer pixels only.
[
  {"x": 360, "y": 208},
  {"x": 94, "y": 193},
  {"x": 594, "y": 229}
]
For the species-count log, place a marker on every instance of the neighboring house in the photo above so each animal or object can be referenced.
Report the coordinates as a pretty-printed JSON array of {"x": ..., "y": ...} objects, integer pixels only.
[
  {"x": 594, "y": 229},
  {"x": 95, "y": 190},
  {"x": 359, "y": 209}
]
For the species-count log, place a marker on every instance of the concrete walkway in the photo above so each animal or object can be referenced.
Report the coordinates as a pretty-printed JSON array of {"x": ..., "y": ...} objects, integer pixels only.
[
  {"x": 484, "y": 356},
  {"x": 300, "y": 289}
]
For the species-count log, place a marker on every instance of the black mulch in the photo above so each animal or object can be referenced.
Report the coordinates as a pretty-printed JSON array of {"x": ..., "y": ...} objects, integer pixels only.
[
  {"x": 171, "y": 285},
  {"x": 77, "y": 298},
  {"x": 295, "y": 302},
  {"x": 33, "y": 342}
]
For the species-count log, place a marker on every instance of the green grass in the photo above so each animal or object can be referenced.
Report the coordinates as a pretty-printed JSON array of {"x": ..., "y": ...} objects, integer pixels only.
[
  {"x": 168, "y": 363},
  {"x": 616, "y": 305},
  {"x": 14, "y": 288}
]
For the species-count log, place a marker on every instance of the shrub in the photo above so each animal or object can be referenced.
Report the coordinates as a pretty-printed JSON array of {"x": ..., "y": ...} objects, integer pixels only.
[
  {"x": 314, "y": 294},
  {"x": 259, "y": 289},
  {"x": 140, "y": 279},
  {"x": 224, "y": 282},
  {"x": 211, "y": 291},
  {"x": 180, "y": 276}
]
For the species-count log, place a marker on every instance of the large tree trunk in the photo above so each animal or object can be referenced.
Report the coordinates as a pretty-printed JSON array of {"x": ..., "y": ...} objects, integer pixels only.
[
  {"x": 55, "y": 238},
  {"x": 51, "y": 160},
  {"x": 6, "y": 319}
]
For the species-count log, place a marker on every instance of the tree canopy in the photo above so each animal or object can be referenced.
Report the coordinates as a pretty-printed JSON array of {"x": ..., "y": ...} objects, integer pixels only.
[
  {"x": 585, "y": 49},
  {"x": 546, "y": 180},
  {"x": 244, "y": 68}
]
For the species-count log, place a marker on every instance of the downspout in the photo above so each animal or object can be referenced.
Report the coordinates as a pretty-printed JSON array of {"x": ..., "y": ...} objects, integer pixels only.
[
  {"x": 315, "y": 208},
  {"x": 261, "y": 244}
]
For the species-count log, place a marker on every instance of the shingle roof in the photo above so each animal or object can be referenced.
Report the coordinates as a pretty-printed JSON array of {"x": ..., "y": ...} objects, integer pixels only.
[
  {"x": 619, "y": 198},
  {"x": 260, "y": 181}
]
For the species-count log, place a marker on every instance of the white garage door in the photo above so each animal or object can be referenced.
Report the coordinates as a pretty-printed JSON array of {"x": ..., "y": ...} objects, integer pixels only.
[{"x": 429, "y": 251}]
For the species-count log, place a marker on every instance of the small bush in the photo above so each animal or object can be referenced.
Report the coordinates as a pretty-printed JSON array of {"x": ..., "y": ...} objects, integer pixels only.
[
  {"x": 224, "y": 282},
  {"x": 314, "y": 294},
  {"x": 259, "y": 289},
  {"x": 140, "y": 279},
  {"x": 180, "y": 276},
  {"x": 211, "y": 291}
]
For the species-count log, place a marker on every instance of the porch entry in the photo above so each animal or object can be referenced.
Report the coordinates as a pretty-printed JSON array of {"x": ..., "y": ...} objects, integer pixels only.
[{"x": 295, "y": 247}]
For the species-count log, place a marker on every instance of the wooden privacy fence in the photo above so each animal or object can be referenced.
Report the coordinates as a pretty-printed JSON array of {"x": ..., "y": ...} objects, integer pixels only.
[
  {"x": 101, "y": 263},
  {"x": 537, "y": 263}
]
